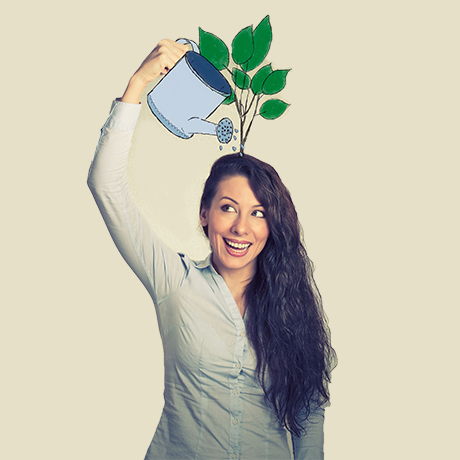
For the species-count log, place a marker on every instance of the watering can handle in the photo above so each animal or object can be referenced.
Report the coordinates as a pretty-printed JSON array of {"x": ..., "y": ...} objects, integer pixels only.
[{"x": 191, "y": 43}]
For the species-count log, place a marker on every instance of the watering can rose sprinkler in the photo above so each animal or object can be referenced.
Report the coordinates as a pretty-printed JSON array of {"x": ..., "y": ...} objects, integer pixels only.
[{"x": 188, "y": 94}]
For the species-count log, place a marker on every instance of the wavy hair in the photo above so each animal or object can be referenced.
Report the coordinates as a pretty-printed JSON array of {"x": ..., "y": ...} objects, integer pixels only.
[{"x": 286, "y": 324}]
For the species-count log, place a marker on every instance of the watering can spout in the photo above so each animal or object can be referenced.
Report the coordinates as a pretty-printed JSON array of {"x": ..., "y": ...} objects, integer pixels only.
[{"x": 223, "y": 130}]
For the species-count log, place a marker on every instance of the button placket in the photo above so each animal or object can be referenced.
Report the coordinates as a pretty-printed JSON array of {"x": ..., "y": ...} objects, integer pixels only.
[
  {"x": 236, "y": 404},
  {"x": 235, "y": 375}
]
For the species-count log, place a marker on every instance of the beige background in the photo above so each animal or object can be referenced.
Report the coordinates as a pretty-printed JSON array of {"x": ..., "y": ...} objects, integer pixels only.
[{"x": 369, "y": 149}]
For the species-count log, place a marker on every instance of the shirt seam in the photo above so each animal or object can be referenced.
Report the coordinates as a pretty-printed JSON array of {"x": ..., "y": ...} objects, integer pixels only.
[
  {"x": 133, "y": 242},
  {"x": 202, "y": 396}
]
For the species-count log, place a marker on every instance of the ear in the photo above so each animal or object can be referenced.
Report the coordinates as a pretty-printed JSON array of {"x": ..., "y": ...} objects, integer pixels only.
[{"x": 204, "y": 217}]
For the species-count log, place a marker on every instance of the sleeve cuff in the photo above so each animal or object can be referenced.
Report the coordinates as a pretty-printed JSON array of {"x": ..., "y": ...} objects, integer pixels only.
[{"x": 123, "y": 116}]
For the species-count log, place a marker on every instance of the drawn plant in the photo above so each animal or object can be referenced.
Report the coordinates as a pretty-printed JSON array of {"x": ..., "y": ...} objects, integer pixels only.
[{"x": 250, "y": 83}]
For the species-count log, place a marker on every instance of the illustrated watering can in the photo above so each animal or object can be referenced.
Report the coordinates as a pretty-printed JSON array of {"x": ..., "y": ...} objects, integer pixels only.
[{"x": 188, "y": 94}]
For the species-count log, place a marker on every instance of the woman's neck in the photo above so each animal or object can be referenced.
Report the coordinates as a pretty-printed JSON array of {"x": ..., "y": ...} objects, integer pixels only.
[{"x": 236, "y": 281}]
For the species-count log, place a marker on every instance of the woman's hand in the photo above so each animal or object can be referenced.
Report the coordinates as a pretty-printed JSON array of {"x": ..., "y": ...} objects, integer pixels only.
[{"x": 158, "y": 62}]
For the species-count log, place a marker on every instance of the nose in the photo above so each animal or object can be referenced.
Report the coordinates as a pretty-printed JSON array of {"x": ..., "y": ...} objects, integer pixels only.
[{"x": 240, "y": 226}]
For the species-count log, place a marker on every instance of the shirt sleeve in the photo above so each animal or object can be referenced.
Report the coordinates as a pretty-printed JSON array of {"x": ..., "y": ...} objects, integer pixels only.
[
  {"x": 310, "y": 446},
  {"x": 159, "y": 268}
]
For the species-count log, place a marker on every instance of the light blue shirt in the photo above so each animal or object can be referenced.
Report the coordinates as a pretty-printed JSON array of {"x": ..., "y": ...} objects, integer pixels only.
[{"x": 214, "y": 406}]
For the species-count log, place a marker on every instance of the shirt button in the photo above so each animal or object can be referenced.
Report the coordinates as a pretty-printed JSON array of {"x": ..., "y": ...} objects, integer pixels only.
[
  {"x": 242, "y": 334},
  {"x": 238, "y": 365},
  {"x": 234, "y": 456},
  {"x": 235, "y": 391},
  {"x": 235, "y": 421}
]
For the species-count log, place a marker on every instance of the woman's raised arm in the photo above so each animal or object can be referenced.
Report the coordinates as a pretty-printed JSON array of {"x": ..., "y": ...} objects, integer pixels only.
[{"x": 160, "y": 269}]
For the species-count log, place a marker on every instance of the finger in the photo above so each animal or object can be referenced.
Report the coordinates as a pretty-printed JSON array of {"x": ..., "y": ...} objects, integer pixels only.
[
  {"x": 163, "y": 57},
  {"x": 176, "y": 50},
  {"x": 182, "y": 48},
  {"x": 168, "y": 61}
]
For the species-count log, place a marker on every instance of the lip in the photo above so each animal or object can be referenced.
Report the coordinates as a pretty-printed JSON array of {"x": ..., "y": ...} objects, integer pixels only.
[{"x": 235, "y": 252}]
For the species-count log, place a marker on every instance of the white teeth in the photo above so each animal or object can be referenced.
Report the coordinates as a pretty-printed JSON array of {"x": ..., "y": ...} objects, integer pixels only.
[{"x": 237, "y": 245}]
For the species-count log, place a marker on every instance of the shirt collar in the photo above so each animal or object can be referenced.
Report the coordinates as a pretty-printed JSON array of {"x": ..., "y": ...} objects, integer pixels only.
[{"x": 204, "y": 263}]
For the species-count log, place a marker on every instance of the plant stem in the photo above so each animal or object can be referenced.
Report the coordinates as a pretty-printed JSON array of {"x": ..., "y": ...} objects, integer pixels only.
[
  {"x": 243, "y": 109},
  {"x": 252, "y": 119},
  {"x": 250, "y": 105}
]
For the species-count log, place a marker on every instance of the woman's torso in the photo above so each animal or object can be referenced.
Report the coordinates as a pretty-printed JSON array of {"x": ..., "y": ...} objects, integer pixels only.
[{"x": 214, "y": 405}]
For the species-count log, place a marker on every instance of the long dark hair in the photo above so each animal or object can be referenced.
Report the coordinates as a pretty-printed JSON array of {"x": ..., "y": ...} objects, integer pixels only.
[{"x": 285, "y": 324}]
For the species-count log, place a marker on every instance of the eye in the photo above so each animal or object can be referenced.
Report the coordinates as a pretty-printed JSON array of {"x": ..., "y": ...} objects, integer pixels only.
[
  {"x": 228, "y": 208},
  {"x": 259, "y": 214}
]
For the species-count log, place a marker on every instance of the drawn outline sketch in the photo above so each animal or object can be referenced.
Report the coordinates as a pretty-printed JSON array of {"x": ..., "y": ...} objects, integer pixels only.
[{"x": 195, "y": 87}]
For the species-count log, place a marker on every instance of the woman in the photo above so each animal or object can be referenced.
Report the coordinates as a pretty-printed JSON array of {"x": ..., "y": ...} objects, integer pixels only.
[{"x": 246, "y": 348}]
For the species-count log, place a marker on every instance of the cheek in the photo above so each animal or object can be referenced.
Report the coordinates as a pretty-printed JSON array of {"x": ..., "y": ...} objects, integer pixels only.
[
  {"x": 219, "y": 222},
  {"x": 214, "y": 229},
  {"x": 264, "y": 232}
]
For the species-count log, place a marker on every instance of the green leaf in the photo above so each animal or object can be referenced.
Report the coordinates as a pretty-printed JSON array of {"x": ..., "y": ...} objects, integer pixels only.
[
  {"x": 273, "y": 108},
  {"x": 275, "y": 82},
  {"x": 230, "y": 99},
  {"x": 243, "y": 45},
  {"x": 259, "y": 78},
  {"x": 214, "y": 50},
  {"x": 262, "y": 40},
  {"x": 241, "y": 79}
]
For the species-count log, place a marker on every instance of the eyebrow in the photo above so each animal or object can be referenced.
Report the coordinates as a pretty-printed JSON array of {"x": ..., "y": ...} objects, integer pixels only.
[{"x": 231, "y": 199}]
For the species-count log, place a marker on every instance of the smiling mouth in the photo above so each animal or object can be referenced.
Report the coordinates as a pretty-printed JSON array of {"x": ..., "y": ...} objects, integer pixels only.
[{"x": 237, "y": 247}]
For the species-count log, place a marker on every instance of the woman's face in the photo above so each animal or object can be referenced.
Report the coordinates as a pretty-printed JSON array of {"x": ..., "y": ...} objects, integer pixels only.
[{"x": 237, "y": 228}]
